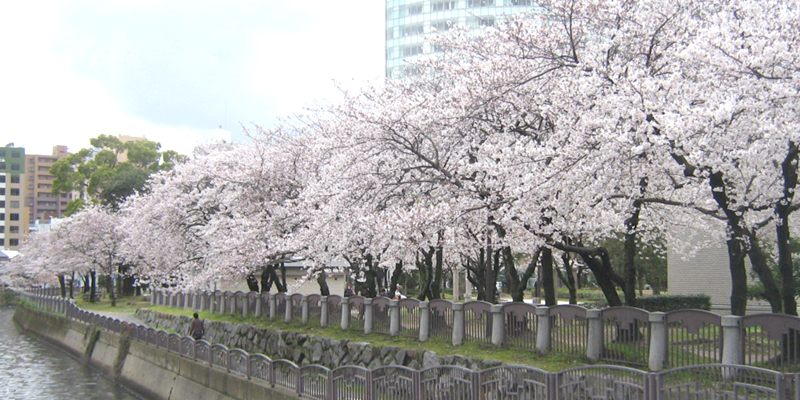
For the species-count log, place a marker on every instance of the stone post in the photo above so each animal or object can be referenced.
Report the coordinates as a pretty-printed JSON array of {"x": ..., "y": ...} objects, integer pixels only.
[
  {"x": 233, "y": 300},
  {"x": 203, "y": 300},
  {"x": 221, "y": 303},
  {"x": 259, "y": 305},
  {"x": 424, "y": 321},
  {"x": 498, "y": 324},
  {"x": 304, "y": 312},
  {"x": 658, "y": 341},
  {"x": 153, "y": 297},
  {"x": 287, "y": 311},
  {"x": 731, "y": 339},
  {"x": 323, "y": 311},
  {"x": 185, "y": 300},
  {"x": 369, "y": 316},
  {"x": 273, "y": 307},
  {"x": 245, "y": 305},
  {"x": 394, "y": 317},
  {"x": 458, "y": 324},
  {"x": 594, "y": 345},
  {"x": 345, "y": 313},
  {"x": 168, "y": 300},
  {"x": 543, "y": 329}
]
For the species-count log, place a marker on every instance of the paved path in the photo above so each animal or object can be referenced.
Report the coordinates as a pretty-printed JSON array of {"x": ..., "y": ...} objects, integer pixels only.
[{"x": 122, "y": 316}]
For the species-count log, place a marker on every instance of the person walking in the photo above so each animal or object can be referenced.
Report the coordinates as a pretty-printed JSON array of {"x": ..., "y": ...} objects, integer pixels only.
[{"x": 197, "y": 329}]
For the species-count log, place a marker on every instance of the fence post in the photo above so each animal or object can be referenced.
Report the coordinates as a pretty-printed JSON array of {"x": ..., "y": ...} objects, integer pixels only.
[
  {"x": 394, "y": 317},
  {"x": 259, "y": 306},
  {"x": 323, "y": 311},
  {"x": 658, "y": 341},
  {"x": 287, "y": 311},
  {"x": 273, "y": 307},
  {"x": 368, "y": 316},
  {"x": 221, "y": 303},
  {"x": 304, "y": 313},
  {"x": 233, "y": 303},
  {"x": 167, "y": 299},
  {"x": 345, "y": 313},
  {"x": 458, "y": 324},
  {"x": 732, "y": 344},
  {"x": 153, "y": 296},
  {"x": 245, "y": 305},
  {"x": 424, "y": 321},
  {"x": 185, "y": 296},
  {"x": 498, "y": 324},
  {"x": 594, "y": 343},
  {"x": 543, "y": 329}
]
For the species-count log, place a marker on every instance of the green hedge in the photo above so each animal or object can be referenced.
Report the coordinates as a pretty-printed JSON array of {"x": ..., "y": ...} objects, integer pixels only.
[{"x": 667, "y": 303}]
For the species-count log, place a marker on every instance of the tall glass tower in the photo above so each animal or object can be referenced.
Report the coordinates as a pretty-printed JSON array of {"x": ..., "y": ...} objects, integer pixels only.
[{"x": 408, "y": 21}]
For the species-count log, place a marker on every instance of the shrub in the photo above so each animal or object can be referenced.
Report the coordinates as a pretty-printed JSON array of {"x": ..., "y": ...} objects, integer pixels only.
[{"x": 667, "y": 303}]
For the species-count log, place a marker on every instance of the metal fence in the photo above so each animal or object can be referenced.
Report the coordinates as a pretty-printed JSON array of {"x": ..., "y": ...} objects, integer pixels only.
[{"x": 597, "y": 382}]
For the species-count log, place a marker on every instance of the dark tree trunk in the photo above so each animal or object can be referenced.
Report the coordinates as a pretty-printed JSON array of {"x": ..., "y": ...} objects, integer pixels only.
[
  {"x": 771, "y": 290},
  {"x": 517, "y": 283},
  {"x": 476, "y": 274},
  {"x": 396, "y": 274},
  {"x": 370, "y": 275},
  {"x": 596, "y": 259},
  {"x": 323, "y": 284},
  {"x": 629, "y": 254},
  {"x": 438, "y": 268},
  {"x": 568, "y": 278},
  {"x": 548, "y": 283},
  {"x": 63, "y": 284},
  {"x": 782, "y": 211},
  {"x": 738, "y": 277},
  {"x": 93, "y": 290},
  {"x": 252, "y": 282},
  {"x": 266, "y": 280},
  {"x": 72, "y": 285}
]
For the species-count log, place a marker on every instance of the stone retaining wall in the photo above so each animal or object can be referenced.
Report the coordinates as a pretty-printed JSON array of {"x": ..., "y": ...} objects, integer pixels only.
[{"x": 306, "y": 349}]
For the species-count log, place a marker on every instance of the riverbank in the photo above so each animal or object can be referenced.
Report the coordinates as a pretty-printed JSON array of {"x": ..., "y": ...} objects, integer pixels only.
[{"x": 152, "y": 372}]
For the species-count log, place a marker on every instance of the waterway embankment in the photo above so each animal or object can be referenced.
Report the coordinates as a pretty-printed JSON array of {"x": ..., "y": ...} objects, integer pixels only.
[{"x": 152, "y": 372}]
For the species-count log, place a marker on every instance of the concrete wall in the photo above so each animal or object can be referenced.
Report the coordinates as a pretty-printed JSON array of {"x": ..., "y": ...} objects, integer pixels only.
[{"x": 151, "y": 372}]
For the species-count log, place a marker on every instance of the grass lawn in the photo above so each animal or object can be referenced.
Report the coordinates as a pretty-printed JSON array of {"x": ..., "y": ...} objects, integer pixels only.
[{"x": 549, "y": 362}]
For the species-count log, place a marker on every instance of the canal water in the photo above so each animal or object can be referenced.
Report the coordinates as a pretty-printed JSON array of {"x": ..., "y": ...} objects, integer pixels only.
[{"x": 34, "y": 369}]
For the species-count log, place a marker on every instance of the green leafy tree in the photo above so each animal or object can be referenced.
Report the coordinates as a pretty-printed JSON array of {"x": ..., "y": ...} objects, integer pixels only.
[{"x": 98, "y": 175}]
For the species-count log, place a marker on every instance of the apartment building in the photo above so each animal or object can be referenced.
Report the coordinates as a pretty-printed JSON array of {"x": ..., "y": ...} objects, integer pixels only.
[
  {"x": 41, "y": 203},
  {"x": 14, "y": 217}
]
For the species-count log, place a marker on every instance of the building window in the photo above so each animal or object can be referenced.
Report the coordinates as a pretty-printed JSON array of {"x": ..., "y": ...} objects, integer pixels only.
[
  {"x": 2, "y": 153},
  {"x": 487, "y": 21},
  {"x": 16, "y": 167},
  {"x": 443, "y": 5},
  {"x": 2, "y": 191},
  {"x": 2, "y": 179},
  {"x": 14, "y": 191},
  {"x": 480, "y": 3},
  {"x": 2, "y": 229},
  {"x": 15, "y": 179},
  {"x": 2, "y": 204},
  {"x": 414, "y": 9},
  {"x": 16, "y": 154},
  {"x": 2, "y": 165},
  {"x": 441, "y": 26},
  {"x": 13, "y": 229},
  {"x": 13, "y": 242},
  {"x": 411, "y": 30},
  {"x": 412, "y": 51},
  {"x": 521, "y": 2},
  {"x": 13, "y": 217},
  {"x": 2, "y": 242},
  {"x": 2, "y": 216},
  {"x": 13, "y": 204}
]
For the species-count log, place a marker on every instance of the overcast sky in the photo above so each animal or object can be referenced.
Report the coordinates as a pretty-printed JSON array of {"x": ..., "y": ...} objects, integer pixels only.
[{"x": 175, "y": 71}]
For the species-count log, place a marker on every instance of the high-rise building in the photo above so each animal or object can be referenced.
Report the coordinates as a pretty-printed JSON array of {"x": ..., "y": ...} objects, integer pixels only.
[
  {"x": 42, "y": 203},
  {"x": 408, "y": 21},
  {"x": 13, "y": 214}
]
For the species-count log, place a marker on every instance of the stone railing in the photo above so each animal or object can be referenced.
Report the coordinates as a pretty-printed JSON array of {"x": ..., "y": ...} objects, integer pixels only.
[
  {"x": 598, "y": 382},
  {"x": 621, "y": 335}
]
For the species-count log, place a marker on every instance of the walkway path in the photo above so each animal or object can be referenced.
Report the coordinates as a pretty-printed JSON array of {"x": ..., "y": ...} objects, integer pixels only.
[{"x": 122, "y": 316}]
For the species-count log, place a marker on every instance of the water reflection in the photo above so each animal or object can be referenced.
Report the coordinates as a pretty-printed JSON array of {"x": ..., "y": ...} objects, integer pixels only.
[{"x": 32, "y": 369}]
